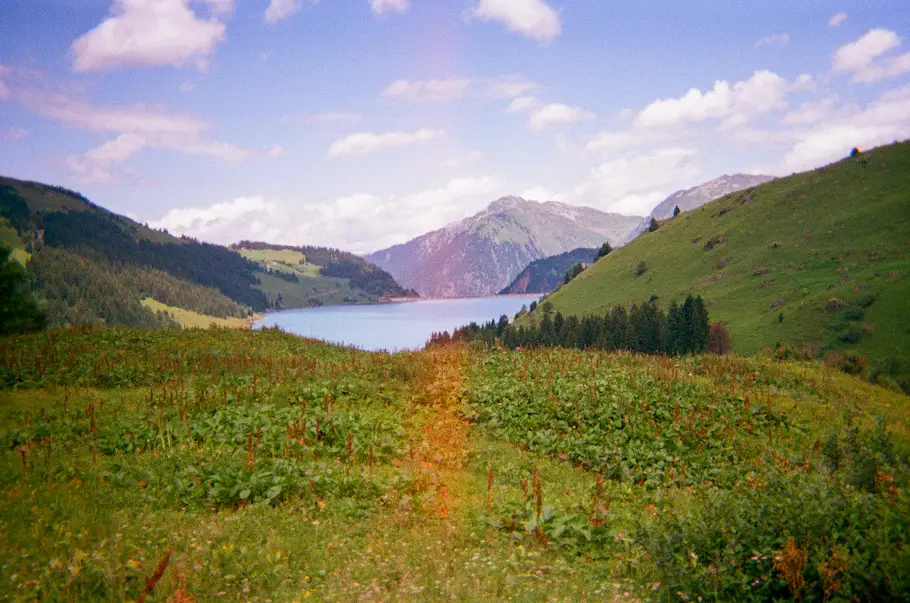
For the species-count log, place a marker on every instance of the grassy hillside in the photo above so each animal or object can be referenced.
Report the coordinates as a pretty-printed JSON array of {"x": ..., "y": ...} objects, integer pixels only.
[
  {"x": 258, "y": 466},
  {"x": 188, "y": 319},
  {"x": 820, "y": 258},
  {"x": 313, "y": 276}
]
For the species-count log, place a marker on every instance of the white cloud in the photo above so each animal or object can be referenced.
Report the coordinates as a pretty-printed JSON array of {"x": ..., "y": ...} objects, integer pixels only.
[
  {"x": 522, "y": 104},
  {"x": 811, "y": 112},
  {"x": 280, "y": 9},
  {"x": 148, "y": 32},
  {"x": 359, "y": 222},
  {"x": 428, "y": 90},
  {"x": 538, "y": 193},
  {"x": 383, "y": 6},
  {"x": 458, "y": 162},
  {"x": 530, "y": 18},
  {"x": 738, "y": 104},
  {"x": 883, "y": 121},
  {"x": 773, "y": 40},
  {"x": 633, "y": 185},
  {"x": 366, "y": 143},
  {"x": 556, "y": 114},
  {"x": 863, "y": 58},
  {"x": 510, "y": 86},
  {"x": 837, "y": 19}
]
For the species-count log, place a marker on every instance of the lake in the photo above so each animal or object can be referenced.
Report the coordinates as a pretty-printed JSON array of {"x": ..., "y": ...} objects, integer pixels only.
[{"x": 392, "y": 326}]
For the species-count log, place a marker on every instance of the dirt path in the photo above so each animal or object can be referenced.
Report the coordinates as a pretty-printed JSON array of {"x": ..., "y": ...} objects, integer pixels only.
[{"x": 416, "y": 550}]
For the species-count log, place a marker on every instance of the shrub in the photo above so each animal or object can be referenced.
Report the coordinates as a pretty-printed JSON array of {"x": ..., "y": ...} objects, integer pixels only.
[
  {"x": 719, "y": 341},
  {"x": 640, "y": 269}
]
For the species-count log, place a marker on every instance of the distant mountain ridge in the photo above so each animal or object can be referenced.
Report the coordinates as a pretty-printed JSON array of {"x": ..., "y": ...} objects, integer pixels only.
[
  {"x": 483, "y": 253},
  {"x": 696, "y": 196},
  {"x": 544, "y": 275}
]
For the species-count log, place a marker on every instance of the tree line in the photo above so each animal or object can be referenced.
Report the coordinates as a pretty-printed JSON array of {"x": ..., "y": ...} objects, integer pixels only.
[
  {"x": 644, "y": 328},
  {"x": 118, "y": 239}
]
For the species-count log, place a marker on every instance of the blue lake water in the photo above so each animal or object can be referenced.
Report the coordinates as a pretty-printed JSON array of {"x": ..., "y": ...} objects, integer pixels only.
[{"x": 392, "y": 326}]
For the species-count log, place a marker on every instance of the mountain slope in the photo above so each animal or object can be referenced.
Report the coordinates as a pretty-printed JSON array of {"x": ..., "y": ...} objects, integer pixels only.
[
  {"x": 315, "y": 276},
  {"x": 819, "y": 258},
  {"x": 92, "y": 266},
  {"x": 544, "y": 275},
  {"x": 692, "y": 198},
  {"x": 480, "y": 255}
]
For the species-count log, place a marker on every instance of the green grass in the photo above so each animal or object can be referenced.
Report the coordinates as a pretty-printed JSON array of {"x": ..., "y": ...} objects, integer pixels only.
[
  {"x": 311, "y": 289},
  {"x": 788, "y": 247},
  {"x": 11, "y": 238},
  {"x": 281, "y": 469},
  {"x": 194, "y": 320}
]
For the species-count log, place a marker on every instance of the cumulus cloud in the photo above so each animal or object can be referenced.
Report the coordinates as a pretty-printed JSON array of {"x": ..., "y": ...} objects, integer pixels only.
[
  {"x": 462, "y": 160},
  {"x": 543, "y": 116},
  {"x": 811, "y": 112},
  {"x": 280, "y": 9},
  {"x": 633, "y": 185},
  {"x": 428, "y": 90},
  {"x": 530, "y": 18},
  {"x": 149, "y": 32},
  {"x": 360, "y": 222},
  {"x": 773, "y": 40},
  {"x": 556, "y": 114},
  {"x": 384, "y": 6},
  {"x": 864, "y": 59},
  {"x": 510, "y": 86},
  {"x": 522, "y": 104},
  {"x": 837, "y": 19},
  {"x": 882, "y": 121},
  {"x": 367, "y": 143},
  {"x": 738, "y": 104}
]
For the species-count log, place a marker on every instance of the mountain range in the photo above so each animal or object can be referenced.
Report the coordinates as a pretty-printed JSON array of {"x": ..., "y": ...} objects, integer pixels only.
[{"x": 483, "y": 253}]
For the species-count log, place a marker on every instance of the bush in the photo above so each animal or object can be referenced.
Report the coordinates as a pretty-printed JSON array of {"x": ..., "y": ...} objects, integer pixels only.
[
  {"x": 640, "y": 269},
  {"x": 719, "y": 341},
  {"x": 831, "y": 528}
]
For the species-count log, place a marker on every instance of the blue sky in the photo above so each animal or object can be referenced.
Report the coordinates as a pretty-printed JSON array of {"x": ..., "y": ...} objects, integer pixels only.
[{"x": 363, "y": 123}]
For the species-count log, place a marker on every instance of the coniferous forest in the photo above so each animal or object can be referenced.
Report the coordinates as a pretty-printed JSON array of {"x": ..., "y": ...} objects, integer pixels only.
[{"x": 644, "y": 328}]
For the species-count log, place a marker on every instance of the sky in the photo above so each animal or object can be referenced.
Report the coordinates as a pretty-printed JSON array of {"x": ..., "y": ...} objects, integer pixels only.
[{"x": 361, "y": 124}]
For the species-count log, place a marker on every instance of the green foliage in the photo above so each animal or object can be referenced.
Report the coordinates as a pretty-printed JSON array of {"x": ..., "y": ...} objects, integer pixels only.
[
  {"x": 838, "y": 231},
  {"x": 574, "y": 271},
  {"x": 14, "y": 208},
  {"x": 19, "y": 312},
  {"x": 633, "y": 429},
  {"x": 644, "y": 328},
  {"x": 641, "y": 268},
  {"x": 838, "y": 520},
  {"x": 604, "y": 250},
  {"x": 115, "y": 239}
]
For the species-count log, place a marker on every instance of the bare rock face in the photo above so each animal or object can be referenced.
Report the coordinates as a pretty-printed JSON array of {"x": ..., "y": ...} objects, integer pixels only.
[{"x": 482, "y": 254}]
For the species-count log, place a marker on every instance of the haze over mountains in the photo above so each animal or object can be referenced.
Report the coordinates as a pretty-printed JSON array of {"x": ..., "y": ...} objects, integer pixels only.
[{"x": 483, "y": 253}]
